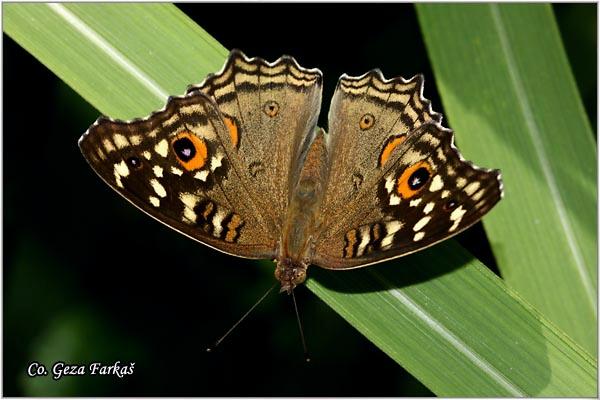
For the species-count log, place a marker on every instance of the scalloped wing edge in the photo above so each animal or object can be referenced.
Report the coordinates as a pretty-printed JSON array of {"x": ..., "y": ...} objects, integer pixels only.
[
  {"x": 378, "y": 75},
  {"x": 171, "y": 102},
  {"x": 237, "y": 54}
]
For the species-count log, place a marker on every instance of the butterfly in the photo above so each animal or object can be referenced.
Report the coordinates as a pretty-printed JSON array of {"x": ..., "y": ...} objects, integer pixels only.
[{"x": 239, "y": 164}]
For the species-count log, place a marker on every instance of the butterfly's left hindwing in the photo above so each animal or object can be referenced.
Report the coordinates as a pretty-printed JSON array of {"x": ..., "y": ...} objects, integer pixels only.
[{"x": 174, "y": 165}]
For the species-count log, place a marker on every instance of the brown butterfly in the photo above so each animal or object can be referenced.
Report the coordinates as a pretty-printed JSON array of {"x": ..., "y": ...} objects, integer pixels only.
[{"x": 238, "y": 164}]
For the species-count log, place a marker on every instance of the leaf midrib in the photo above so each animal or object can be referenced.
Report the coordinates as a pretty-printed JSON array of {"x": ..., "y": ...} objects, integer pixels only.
[
  {"x": 540, "y": 151},
  {"x": 454, "y": 341},
  {"x": 114, "y": 54}
]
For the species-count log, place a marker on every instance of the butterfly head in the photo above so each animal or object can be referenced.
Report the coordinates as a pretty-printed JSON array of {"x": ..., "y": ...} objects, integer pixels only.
[{"x": 290, "y": 273}]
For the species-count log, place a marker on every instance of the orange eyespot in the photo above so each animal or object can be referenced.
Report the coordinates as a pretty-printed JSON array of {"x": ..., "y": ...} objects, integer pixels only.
[
  {"x": 389, "y": 147},
  {"x": 366, "y": 122},
  {"x": 190, "y": 150},
  {"x": 233, "y": 131},
  {"x": 271, "y": 108},
  {"x": 413, "y": 179}
]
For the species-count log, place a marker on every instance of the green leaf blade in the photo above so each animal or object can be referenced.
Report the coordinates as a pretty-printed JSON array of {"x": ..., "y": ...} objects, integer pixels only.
[
  {"x": 509, "y": 94},
  {"x": 110, "y": 56},
  {"x": 463, "y": 333}
]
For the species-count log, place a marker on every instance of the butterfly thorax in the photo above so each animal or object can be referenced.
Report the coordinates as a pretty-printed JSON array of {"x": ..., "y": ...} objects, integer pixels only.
[{"x": 302, "y": 222}]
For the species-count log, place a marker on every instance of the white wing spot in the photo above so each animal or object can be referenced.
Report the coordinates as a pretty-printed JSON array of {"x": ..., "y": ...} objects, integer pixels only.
[
  {"x": 391, "y": 228},
  {"x": 456, "y": 216},
  {"x": 411, "y": 112},
  {"x": 431, "y": 139},
  {"x": 480, "y": 204},
  {"x": 118, "y": 180},
  {"x": 215, "y": 162},
  {"x": 429, "y": 207},
  {"x": 189, "y": 216},
  {"x": 387, "y": 242},
  {"x": 217, "y": 220},
  {"x": 365, "y": 239},
  {"x": 147, "y": 155},
  {"x": 158, "y": 171},
  {"x": 135, "y": 140},
  {"x": 419, "y": 236},
  {"x": 120, "y": 141},
  {"x": 162, "y": 147},
  {"x": 440, "y": 154},
  {"x": 478, "y": 195},
  {"x": 460, "y": 182},
  {"x": 171, "y": 120},
  {"x": 122, "y": 169},
  {"x": 422, "y": 222},
  {"x": 100, "y": 153},
  {"x": 415, "y": 202},
  {"x": 189, "y": 201},
  {"x": 436, "y": 184},
  {"x": 108, "y": 145},
  {"x": 154, "y": 201},
  {"x": 202, "y": 175},
  {"x": 394, "y": 200},
  {"x": 445, "y": 194},
  {"x": 471, "y": 188},
  {"x": 158, "y": 188},
  {"x": 389, "y": 183},
  {"x": 412, "y": 156},
  {"x": 176, "y": 171}
]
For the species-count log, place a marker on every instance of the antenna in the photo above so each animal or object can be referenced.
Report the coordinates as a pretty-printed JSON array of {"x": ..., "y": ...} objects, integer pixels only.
[
  {"x": 209, "y": 349},
  {"x": 306, "y": 355}
]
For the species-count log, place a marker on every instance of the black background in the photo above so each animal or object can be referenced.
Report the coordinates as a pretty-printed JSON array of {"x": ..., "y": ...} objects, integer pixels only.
[{"x": 88, "y": 278}]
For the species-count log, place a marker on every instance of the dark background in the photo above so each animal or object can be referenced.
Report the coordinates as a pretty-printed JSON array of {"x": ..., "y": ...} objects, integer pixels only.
[{"x": 87, "y": 277}]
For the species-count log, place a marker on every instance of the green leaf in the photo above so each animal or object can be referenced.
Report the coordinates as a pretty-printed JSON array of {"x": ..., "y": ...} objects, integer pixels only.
[
  {"x": 509, "y": 94},
  {"x": 456, "y": 327},
  {"x": 109, "y": 55},
  {"x": 440, "y": 313}
]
